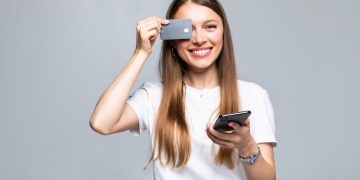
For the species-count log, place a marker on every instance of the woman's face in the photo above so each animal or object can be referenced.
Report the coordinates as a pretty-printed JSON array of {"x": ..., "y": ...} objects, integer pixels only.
[{"x": 202, "y": 50}]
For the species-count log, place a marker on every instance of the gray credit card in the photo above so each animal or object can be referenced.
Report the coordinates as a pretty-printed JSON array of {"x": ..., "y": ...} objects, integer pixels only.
[{"x": 177, "y": 29}]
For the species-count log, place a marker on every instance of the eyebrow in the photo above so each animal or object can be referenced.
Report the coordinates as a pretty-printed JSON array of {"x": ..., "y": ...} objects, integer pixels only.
[{"x": 210, "y": 20}]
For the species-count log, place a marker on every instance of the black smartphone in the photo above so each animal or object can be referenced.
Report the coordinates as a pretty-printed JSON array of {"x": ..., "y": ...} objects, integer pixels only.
[{"x": 222, "y": 121}]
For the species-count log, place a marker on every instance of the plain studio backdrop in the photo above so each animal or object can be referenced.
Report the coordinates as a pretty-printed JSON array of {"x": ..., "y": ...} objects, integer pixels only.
[{"x": 57, "y": 57}]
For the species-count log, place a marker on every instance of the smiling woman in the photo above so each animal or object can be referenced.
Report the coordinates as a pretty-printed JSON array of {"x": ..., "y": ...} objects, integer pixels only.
[
  {"x": 173, "y": 112},
  {"x": 202, "y": 51}
]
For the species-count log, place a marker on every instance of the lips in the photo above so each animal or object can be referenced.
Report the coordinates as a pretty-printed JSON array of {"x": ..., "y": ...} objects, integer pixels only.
[{"x": 200, "y": 52}]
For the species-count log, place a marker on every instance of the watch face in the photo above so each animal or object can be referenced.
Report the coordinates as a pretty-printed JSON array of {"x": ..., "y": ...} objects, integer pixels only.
[{"x": 252, "y": 159}]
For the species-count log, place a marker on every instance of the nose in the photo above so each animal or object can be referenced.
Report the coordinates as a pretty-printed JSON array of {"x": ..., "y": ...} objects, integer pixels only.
[{"x": 198, "y": 37}]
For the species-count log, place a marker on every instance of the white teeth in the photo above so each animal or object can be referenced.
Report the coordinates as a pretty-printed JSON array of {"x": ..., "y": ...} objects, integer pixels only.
[{"x": 201, "y": 52}]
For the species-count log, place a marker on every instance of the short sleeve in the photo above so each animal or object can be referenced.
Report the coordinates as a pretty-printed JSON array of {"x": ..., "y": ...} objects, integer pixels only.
[
  {"x": 139, "y": 101},
  {"x": 262, "y": 125}
]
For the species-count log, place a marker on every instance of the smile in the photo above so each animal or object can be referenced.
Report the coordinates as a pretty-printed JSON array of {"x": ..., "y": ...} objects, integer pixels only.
[{"x": 200, "y": 52}]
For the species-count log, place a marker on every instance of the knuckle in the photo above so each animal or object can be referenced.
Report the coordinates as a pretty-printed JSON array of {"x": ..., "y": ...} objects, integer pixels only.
[{"x": 139, "y": 23}]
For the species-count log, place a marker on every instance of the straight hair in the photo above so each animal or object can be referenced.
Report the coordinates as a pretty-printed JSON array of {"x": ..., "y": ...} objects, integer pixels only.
[{"x": 172, "y": 139}]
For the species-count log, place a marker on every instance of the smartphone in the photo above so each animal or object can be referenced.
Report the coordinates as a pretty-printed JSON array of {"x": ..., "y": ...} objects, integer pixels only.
[
  {"x": 176, "y": 29},
  {"x": 222, "y": 121}
]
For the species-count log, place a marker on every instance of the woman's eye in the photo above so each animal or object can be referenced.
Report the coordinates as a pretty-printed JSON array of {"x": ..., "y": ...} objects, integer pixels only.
[{"x": 210, "y": 26}]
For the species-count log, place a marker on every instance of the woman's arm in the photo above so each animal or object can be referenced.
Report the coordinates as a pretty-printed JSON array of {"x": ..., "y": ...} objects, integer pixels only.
[
  {"x": 241, "y": 139},
  {"x": 111, "y": 113}
]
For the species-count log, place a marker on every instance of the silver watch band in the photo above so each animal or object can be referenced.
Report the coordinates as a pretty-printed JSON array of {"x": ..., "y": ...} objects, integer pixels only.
[{"x": 252, "y": 158}]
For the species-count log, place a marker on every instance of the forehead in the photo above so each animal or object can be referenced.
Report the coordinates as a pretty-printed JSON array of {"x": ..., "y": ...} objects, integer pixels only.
[{"x": 196, "y": 12}]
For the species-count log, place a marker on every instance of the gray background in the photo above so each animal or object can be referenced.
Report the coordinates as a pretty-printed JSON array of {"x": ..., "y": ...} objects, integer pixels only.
[{"x": 56, "y": 58}]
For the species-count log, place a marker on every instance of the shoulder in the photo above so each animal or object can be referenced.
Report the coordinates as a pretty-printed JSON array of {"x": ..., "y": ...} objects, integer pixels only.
[
  {"x": 148, "y": 92},
  {"x": 147, "y": 89},
  {"x": 153, "y": 85},
  {"x": 152, "y": 88},
  {"x": 250, "y": 88}
]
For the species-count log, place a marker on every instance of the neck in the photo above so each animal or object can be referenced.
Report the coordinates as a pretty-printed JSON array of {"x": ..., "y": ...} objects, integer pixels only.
[{"x": 204, "y": 79}]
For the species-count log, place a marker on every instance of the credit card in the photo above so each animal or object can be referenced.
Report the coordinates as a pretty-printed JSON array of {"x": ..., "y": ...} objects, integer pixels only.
[{"x": 177, "y": 29}]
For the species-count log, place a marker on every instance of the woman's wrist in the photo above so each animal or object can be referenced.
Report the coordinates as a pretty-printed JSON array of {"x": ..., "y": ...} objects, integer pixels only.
[
  {"x": 141, "y": 54},
  {"x": 248, "y": 149}
]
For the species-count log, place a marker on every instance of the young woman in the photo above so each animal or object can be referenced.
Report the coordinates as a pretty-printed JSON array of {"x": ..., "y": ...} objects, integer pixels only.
[{"x": 199, "y": 82}]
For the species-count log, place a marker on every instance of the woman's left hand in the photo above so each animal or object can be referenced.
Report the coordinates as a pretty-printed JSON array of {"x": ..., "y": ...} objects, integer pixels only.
[{"x": 240, "y": 138}]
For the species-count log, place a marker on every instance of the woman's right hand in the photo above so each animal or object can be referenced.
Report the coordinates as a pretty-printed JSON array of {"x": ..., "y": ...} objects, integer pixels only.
[
  {"x": 112, "y": 114},
  {"x": 147, "y": 32}
]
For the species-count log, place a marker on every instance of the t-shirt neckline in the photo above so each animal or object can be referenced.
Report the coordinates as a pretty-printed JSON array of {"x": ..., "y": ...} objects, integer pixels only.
[{"x": 202, "y": 93}]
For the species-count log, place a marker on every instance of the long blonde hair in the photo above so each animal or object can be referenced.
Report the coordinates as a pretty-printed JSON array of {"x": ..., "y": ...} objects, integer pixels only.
[{"x": 172, "y": 138}]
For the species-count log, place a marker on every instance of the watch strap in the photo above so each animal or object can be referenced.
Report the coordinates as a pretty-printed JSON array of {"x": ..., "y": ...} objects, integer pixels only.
[{"x": 252, "y": 158}]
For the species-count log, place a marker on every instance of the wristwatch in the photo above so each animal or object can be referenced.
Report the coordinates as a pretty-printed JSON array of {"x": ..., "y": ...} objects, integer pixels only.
[{"x": 251, "y": 159}]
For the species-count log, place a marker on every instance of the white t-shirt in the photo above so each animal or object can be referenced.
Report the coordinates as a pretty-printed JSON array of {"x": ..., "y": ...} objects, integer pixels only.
[{"x": 201, "y": 107}]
